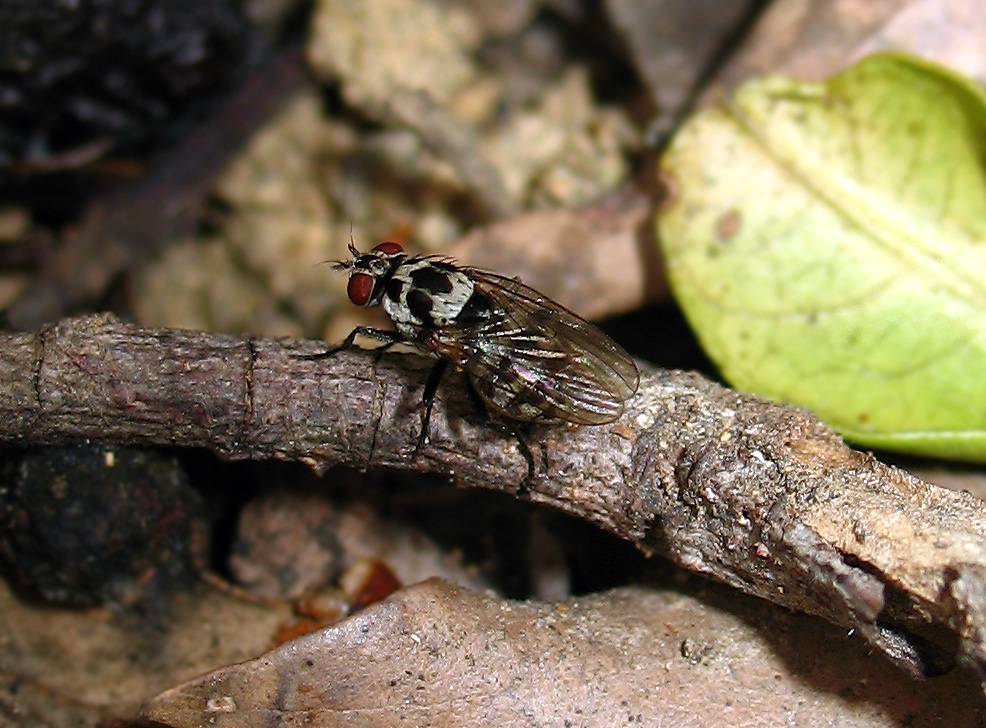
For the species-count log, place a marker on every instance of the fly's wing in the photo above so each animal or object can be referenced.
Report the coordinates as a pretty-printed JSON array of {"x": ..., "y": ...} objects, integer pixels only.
[{"x": 532, "y": 359}]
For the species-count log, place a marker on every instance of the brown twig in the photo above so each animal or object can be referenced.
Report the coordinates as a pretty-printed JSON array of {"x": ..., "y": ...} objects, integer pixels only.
[{"x": 760, "y": 496}]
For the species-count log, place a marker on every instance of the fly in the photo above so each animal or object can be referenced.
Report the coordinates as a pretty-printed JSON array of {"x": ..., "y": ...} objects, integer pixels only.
[{"x": 525, "y": 358}]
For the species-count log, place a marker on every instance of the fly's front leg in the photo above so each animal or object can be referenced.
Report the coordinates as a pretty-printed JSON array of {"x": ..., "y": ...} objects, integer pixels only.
[
  {"x": 390, "y": 338},
  {"x": 428, "y": 398}
]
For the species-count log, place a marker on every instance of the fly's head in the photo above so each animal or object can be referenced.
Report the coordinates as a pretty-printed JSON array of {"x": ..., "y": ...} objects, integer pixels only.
[{"x": 369, "y": 271}]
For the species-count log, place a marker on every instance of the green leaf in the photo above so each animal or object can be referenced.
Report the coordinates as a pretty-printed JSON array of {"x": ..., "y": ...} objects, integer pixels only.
[{"x": 828, "y": 244}]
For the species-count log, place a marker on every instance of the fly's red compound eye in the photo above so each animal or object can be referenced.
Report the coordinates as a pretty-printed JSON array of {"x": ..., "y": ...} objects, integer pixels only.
[
  {"x": 388, "y": 248},
  {"x": 360, "y": 288}
]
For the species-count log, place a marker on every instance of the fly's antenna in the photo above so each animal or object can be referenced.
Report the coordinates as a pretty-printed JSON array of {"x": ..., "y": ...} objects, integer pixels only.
[
  {"x": 353, "y": 251},
  {"x": 352, "y": 242}
]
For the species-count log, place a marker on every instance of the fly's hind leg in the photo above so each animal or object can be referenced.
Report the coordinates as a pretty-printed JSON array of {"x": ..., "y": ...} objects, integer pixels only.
[
  {"x": 428, "y": 399},
  {"x": 525, "y": 450},
  {"x": 390, "y": 338},
  {"x": 514, "y": 429}
]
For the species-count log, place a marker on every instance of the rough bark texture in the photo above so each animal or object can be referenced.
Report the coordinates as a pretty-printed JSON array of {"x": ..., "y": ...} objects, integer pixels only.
[{"x": 761, "y": 496}]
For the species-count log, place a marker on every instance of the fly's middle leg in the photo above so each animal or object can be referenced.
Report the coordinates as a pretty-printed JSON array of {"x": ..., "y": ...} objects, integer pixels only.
[{"x": 428, "y": 399}]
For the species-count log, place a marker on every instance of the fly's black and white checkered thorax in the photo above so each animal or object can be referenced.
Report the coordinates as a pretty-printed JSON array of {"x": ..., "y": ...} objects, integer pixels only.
[{"x": 426, "y": 294}]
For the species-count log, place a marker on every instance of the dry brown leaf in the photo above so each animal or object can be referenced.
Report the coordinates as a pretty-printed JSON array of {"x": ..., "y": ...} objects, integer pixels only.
[
  {"x": 593, "y": 259},
  {"x": 439, "y": 655},
  {"x": 815, "y": 39},
  {"x": 674, "y": 43}
]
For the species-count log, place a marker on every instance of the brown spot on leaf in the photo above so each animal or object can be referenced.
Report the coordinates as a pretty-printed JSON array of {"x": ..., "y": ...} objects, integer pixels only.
[{"x": 728, "y": 225}]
